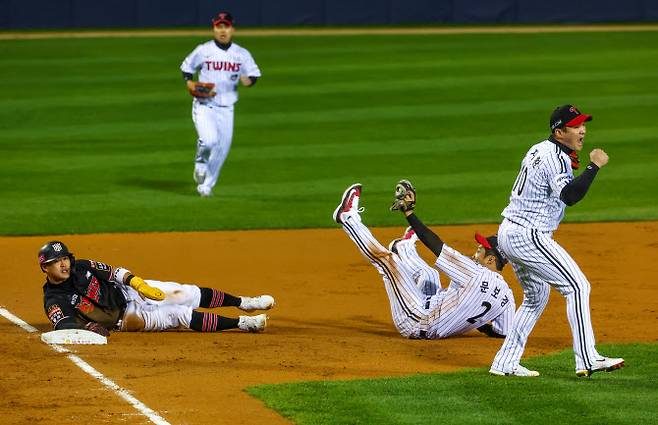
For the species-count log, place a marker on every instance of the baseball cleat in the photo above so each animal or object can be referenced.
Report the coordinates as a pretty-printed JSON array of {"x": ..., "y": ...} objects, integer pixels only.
[
  {"x": 203, "y": 191},
  {"x": 517, "y": 371},
  {"x": 252, "y": 323},
  {"x": 604, "y": 364},
  {"x": 349, "y": 202},
  {"x": 261, "y": 302}
]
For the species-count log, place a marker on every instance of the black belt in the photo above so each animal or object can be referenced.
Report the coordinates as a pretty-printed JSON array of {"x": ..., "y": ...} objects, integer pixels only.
[{"x": 422, "y": 335}]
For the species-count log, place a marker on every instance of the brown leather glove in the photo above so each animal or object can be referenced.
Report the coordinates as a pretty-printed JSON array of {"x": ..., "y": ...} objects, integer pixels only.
[
  {"x": 202, "y": 90},
  {"x": 405, "y": 197}
]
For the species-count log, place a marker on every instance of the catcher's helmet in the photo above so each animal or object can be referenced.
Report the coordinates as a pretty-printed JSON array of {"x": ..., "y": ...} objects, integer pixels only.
[{"x": 52, "y": 251}]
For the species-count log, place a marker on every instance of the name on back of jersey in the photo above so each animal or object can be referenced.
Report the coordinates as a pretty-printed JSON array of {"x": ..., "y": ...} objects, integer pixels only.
[
  {"x": 535, "y": 159},
  {"x": 484, "y": 288}
]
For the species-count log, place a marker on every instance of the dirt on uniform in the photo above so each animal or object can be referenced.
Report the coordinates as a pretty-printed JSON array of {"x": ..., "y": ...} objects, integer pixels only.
[{"x": 332, "y": 320}]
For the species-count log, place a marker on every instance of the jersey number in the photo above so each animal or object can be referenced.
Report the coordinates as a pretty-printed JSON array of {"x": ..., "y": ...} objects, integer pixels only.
[
  {"x": 520, "y": 181},
  {"x": 487, "y": 307}
]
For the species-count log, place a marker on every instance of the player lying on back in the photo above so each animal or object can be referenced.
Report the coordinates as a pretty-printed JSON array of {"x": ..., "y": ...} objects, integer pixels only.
[
  {"x": 476, "y": 298},
  {"x": 87, "y": 294}
]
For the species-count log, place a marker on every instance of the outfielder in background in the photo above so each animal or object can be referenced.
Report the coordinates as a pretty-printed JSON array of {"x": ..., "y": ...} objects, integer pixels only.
[
  {"x": 87, "y": 294},
  {"x": 420, "y": 307},
  {"x": 221, "y": 65},
  {"x": 544, "y": 187}
]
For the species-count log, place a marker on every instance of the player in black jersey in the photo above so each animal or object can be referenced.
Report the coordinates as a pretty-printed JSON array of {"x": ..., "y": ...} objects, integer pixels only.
[{"x": 88, "y": 294}]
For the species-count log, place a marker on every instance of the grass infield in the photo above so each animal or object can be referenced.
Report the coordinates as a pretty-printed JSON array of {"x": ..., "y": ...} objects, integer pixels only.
[
  {"x": 96, "y": 134},
  {"x": 472, "y": 396}
]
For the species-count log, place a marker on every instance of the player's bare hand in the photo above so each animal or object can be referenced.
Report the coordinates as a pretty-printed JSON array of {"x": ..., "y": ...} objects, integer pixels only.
[{"x": 598, "y": 157}]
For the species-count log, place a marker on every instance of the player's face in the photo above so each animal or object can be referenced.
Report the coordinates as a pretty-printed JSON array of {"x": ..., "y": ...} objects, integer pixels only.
[
  {"x": 481, "y": 257},
  {"x": 59, "y": 270},
  {"x": 223, "y": 33},
  {"x": 572, "y": 137}
]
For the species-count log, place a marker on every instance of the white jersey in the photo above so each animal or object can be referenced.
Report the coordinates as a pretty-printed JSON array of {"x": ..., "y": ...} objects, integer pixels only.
[
  {"x": 221, "y": 67},
  {"x": 535, "y": 200},
  {"x": 476, "y": 295}
]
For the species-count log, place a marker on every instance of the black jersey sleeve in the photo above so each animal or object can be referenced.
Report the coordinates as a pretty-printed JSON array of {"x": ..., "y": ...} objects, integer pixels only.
[{"x": 61, "y": 313}]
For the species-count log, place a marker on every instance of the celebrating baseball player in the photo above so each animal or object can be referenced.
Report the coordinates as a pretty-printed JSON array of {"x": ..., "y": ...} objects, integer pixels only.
[
  {"x": 477, "y": 297},
  {"x": 88, "y": 294},
  {"x": 221, "y": 65},
  {"x": 544, "y": 187}
]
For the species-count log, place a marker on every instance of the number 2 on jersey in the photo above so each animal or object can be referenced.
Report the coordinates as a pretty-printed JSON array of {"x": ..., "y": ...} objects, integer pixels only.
[
  {"x": 487, "y": 307},
  {"x": 520, "y": 181}
]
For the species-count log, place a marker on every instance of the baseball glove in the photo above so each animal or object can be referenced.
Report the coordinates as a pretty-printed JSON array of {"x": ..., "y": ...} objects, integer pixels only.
[
  {"x": 405, "y": 197},
  {"x": 202, "y": 90}
]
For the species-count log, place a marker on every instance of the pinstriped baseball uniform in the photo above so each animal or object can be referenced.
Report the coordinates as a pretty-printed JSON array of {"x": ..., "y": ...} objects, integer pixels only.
[
  {"x": 525, "y": 238},
  {"x": 475, "y": 295},
  {"x": 213, "y": 117}
]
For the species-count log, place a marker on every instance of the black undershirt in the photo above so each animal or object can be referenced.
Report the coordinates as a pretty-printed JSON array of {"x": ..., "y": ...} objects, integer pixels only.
[
  {"x": 426, "y": 236},
  {"x": 577, "y": 189}
]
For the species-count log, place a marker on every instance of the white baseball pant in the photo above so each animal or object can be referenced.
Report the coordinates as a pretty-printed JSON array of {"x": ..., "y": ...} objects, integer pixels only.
[
  {"x": 214, "y": 126},
  {"x": 174, "y": 312},
  {"x": 539, "y": 263}
]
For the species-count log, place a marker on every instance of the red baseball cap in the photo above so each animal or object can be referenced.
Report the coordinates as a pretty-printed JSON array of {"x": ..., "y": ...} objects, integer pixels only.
[
  {"x": 484, "y": 241},
  {"x": 567, "y": 116},
  {"x": 223, "y": 18},
  {"x": 491, "y": 243}
]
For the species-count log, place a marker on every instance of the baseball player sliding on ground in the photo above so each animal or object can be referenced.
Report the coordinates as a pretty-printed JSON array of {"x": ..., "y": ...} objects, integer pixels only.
[
  {"x": 87, "y": 294},
  {"x": 221, "y": 65},
  {"x": 544, "y": 187},
  {"x": 420, "y": 307}
]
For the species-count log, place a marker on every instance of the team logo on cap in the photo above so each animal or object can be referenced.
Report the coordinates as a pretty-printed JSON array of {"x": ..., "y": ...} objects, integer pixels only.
[
  {"x": 574, "y": 110},
  {"x": 57, "y": 247}
]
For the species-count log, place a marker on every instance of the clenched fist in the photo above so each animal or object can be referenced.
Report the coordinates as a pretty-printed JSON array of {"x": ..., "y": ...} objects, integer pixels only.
[{"x": 598, "y": 157}]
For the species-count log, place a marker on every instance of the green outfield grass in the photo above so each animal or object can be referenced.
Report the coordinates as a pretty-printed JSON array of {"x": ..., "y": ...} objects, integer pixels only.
[
  {"x": 96, "y": 134},
  {"x": 626, "y": 396}
]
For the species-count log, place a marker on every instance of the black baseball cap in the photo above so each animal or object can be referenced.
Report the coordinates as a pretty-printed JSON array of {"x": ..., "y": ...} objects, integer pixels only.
[
  {"x": 567, "y": 116},
  {"x": 223, "y": 18}
]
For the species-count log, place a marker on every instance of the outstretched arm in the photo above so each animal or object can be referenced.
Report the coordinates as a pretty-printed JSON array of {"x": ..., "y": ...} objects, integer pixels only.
[
  {"x": 405, "y": 201},
  {"x": 426, "y": 236}
]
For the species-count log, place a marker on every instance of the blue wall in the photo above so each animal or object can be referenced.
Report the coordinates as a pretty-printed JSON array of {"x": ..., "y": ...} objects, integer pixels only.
[{"x": 33, "y": 14}]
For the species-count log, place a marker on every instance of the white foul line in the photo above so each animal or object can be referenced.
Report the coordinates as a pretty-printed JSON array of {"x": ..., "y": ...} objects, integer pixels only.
[{"x": 121, "y": 392}]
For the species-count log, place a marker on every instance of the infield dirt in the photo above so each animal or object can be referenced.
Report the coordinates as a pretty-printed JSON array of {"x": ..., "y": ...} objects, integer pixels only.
[{"x": 332, "y": 320}]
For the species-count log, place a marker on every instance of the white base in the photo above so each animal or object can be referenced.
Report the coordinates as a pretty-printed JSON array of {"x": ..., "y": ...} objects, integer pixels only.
[{"x": 73, "y": 336}]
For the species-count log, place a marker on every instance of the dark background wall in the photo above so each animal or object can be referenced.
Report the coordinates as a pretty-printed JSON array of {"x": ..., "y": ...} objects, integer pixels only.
[{"x": 33, "y": 14}]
